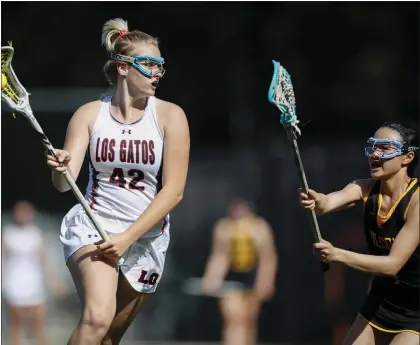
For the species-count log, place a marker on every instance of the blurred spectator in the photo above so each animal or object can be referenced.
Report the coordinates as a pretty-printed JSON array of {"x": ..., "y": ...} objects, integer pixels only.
[{"x": 26, "y": 274}]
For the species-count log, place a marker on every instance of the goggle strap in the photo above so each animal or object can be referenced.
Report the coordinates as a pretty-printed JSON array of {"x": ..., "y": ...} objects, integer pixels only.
[
  {"x": 412, "y": 148},
  {"x": 122, "y": 58}
]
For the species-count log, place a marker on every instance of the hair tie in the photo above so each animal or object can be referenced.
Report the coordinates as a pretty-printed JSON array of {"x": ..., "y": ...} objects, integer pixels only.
[{"x": 123, "y": 33}]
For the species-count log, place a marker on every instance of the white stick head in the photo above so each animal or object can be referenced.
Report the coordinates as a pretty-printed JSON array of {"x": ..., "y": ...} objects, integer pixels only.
[
  {"x": 281, "y": 94},
  {"x": 12, "y": 91}
]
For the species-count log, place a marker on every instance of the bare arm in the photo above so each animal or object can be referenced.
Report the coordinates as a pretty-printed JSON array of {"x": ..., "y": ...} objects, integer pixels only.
[
  {"x": 403, "y": 247},
  {"x": 342, "y": 199},
  {"x": 76, "y": 143},
  {"x": 267, "y": 265},
  {"x": 175, "y": 167},
  {"x": 218, "y": 261}
]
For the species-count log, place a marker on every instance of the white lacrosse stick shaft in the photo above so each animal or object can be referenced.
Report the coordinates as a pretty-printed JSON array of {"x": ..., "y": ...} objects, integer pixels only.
[
  {"x": 17, "y": 98},
  {"x": 47, "y": 144}
]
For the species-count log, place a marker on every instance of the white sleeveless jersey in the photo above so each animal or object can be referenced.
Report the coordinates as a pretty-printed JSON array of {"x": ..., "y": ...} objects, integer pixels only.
[
  {"x": 23, "y": 276},
  {"x": 125, "y": 162}
]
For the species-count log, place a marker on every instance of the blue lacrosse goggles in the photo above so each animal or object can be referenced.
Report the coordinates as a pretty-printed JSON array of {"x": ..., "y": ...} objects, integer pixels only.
[
  {"x": 145, "y": 64},
  {"x": 387, "y": 148}
]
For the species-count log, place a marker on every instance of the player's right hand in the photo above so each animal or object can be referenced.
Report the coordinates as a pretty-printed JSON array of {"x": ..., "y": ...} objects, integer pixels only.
[
  {"x": 308, "y": 201},
  {"x": 60, "y": 161}
]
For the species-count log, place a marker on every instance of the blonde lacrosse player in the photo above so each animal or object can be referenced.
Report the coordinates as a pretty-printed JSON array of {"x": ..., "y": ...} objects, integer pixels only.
[{"x": 138, "y": 148}]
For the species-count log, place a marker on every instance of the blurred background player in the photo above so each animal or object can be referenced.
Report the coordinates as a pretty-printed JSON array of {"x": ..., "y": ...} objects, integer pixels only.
[
  {"x": 391, "y": 311},
  {"x": 243, "y": 251},
  {"x": 27, "y": 273}
]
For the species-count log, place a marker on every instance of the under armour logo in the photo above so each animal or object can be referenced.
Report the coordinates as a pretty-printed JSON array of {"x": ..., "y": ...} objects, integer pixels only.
[{"x": 126, "y": 130}]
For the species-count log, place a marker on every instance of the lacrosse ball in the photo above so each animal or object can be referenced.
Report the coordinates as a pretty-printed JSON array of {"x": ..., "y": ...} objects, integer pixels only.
[{"x": 3, "y": 81}]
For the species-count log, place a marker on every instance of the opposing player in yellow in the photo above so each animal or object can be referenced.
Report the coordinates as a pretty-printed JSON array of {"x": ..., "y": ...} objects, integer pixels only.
[{"x": 243, "y": 252}]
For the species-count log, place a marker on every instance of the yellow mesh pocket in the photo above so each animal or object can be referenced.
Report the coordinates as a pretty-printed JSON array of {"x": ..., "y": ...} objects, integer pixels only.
[{"x": 9, "y": 89}]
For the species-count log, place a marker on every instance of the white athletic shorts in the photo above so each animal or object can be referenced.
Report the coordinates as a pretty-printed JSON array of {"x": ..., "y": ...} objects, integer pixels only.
[
  {"x": 142, "y": 263},
  {"x": 20, "y": 291}
]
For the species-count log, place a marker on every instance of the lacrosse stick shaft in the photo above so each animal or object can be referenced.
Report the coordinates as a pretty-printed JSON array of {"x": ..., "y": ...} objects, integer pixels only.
[
  {"x": 304, "y": 184},
  {"x": 194, "y": 287},
  {"x": 15, "y": 95},
  {"x": 47, "y": 144}
]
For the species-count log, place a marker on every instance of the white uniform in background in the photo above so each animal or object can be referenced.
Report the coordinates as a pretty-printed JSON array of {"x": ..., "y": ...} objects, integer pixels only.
[
  {"x": 125, "y": 162},
  {"x": 23, "y": 276}
]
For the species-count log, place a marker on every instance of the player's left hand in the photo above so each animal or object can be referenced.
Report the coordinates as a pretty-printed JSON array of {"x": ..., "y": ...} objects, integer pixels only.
[
  {"x": 115, "y": 247},
  {"x": 325, "y": 251}
]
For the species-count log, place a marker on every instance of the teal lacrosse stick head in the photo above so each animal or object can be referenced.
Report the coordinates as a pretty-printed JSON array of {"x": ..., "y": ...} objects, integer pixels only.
[{"x": 281, "y": 94}]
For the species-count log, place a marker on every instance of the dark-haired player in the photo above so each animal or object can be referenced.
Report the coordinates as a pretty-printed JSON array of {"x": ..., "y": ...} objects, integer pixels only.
[{"x": 390, "y": 313}]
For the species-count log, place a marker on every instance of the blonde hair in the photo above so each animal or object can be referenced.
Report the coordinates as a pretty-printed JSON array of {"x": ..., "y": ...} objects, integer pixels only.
[{"x": 118, "y": 39}]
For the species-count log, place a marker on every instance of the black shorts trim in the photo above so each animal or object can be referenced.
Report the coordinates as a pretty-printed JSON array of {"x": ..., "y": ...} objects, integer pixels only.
[{"x": 247, "y": 279}]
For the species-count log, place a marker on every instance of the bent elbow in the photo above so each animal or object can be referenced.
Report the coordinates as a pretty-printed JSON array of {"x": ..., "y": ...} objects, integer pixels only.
[
  {"x": 390, "y": 273},
  {"x": 173, "y": 193},
  {"x": 179, "y": 197},
  {"x": 392, "y": 269}
]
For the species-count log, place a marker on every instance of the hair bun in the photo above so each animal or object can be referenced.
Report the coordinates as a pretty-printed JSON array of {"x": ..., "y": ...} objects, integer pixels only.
[{"x": 112, "y": 30}]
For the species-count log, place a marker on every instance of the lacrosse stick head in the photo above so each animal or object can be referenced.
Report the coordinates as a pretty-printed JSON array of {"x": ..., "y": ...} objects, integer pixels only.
[
  {"x": 281, "y": 94},
  {"x": 12, "y": 91}
]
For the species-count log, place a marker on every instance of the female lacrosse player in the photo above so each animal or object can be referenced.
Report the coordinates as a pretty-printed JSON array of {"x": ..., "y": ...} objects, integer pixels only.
[
  {"x": 134, "y": 184},
  {"x": 243, "y": 252},
  {"x": 390, "y": 313}
]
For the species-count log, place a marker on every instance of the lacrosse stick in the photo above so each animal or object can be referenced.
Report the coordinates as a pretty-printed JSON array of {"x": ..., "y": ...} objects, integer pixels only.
[
  {"x": 17, "y": 98},
  {"x": 194, "y": 287},
  {"x": 281, "y": 95}
]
